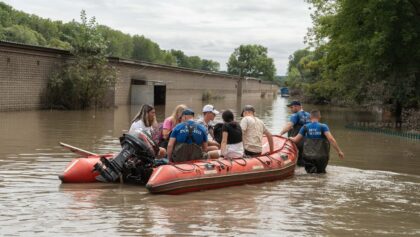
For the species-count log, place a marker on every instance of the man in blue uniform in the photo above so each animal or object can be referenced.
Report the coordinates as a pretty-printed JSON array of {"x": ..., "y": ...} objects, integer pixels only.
[
  {"x": 316, "y": 146},
  {"x": 188, "y": 140},
  {"x": 296, "y": 121}
]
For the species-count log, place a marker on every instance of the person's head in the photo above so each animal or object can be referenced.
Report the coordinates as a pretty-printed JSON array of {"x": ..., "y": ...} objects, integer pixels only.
[
  {"x": 177, "y": 113},
  {"x": 248, "y": 110},
  {"x": 315, "y": 115},
  {"x": 227, "y": 116},
  {"x": 147, "y": 114},
  {"x": 209, "y": 113},
  {"x": 295, "y": 106},
  {"x": 187, "y": 114}
]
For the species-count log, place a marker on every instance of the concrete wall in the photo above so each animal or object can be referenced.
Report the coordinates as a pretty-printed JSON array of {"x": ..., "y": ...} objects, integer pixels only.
[
  {"x": 185, "y": 82},
  {"x": 25, "y": 69}
]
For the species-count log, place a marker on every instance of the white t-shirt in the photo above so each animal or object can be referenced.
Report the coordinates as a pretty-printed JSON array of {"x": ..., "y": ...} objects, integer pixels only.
[
  {"x": 252, "y": 133},
  {"x": 139, "y": 125},
  {"x": 206, "y": 125}
]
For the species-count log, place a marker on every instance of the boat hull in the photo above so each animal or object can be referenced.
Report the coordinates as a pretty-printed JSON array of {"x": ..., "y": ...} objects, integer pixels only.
[
  {"x": 80, "y": 170},
  {"x": 211, "y": 174}
]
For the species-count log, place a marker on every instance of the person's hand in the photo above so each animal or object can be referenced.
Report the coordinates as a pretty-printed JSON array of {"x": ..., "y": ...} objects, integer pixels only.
[{"x": 341, "y": 155}]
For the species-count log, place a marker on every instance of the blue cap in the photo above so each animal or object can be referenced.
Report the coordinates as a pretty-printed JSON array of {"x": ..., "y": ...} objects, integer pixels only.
[
  {"x": 295, "y": 102},
  {"x": 188, "y": 112}
]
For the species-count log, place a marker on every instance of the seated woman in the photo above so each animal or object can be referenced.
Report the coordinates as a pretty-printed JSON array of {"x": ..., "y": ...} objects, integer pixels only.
[
  {"x": 170, "y": 123},
  {"x": 231, "y": 145},
  {"x": 145, "y": 121}
]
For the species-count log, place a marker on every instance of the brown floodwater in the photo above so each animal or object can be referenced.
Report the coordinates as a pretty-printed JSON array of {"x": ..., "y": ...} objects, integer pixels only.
[{"x": 375, "y": 190}]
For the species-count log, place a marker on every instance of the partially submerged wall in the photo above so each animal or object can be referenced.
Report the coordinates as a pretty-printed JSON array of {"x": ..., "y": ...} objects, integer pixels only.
[{"x": 25, "y": 69}]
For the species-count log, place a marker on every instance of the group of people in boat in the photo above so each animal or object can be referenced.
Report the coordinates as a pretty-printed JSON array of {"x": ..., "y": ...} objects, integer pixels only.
[{"x": 182, "y": 138}]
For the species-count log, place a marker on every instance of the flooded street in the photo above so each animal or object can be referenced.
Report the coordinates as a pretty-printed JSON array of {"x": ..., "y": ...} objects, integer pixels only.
[{"x": 374, "y": 191}]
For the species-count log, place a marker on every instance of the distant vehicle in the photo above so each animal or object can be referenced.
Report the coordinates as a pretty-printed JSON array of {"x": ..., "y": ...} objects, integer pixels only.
[{"x": 284, "y": 92}]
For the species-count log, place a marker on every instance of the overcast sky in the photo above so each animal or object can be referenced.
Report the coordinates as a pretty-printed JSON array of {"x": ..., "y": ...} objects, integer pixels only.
[{"x": 210, "y": 29}]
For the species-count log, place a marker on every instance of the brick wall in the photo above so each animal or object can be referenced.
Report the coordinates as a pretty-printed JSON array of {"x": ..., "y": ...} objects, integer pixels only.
[
  {"x": 25, "y": 69},
  {"x": 23, "y": 75}
]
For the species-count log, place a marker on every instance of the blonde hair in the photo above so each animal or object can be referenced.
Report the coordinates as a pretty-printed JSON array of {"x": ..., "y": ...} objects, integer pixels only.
[
  {"x": 177, "y": 113},
  {"x": 143, "y": 115}
]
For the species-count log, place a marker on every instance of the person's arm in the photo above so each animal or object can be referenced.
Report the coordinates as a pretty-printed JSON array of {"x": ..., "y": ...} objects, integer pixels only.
[
  {"x": 204, "y": 146},
  {"x": 165, "y": 133},
  {"x": 224, "y": 142},
  {"x": 167, "y": 128},
  {"x": 297, "y": 138},
  {"x": 300, "y": 135},
  {"x": 270, "y": 140},
  {"x": 244, "y": 124},
  {"x": 333, "y": 142},
  {"x": 211, "y": 131},
  {"x": 171, "y": 144},
  {"x": 286, "y": 128}
]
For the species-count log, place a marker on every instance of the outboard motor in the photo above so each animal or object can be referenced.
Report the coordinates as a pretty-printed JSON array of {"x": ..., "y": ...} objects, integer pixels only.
[{"x": 134, "y": 150}]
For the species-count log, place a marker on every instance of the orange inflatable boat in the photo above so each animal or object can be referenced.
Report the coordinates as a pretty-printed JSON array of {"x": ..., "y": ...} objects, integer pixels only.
[
  {"x": 210, "y": 174},
  {"x": 176, "y": 178},
  {"x": 81, "y": 170}
]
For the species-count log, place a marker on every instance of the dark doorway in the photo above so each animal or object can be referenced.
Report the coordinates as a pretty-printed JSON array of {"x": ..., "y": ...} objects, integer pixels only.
[{"x": 160, "y": 95}]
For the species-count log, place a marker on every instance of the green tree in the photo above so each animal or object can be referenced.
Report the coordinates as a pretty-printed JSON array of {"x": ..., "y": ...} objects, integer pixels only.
[
  {"x": 145, "y": 49},
  {"x": 119, "y": 44},
  {"x": 252, "y": 61},
  {"x": 180, "y": 58},
  {"x": 370, "y": 45},
  {"x": 22, "y": 34},
  {"x": 210, "y": 65},
  {"x": 167, "y": 58},
  {"x": 21, "y": 27},
  {"x": 84, "y": 81}
]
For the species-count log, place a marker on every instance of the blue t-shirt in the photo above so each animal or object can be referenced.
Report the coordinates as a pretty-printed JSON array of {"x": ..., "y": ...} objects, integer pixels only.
[
  {"x": 181, "y": 133},
  {"x": 300, "y": 118},
  {"x": 314, "y": 130}
]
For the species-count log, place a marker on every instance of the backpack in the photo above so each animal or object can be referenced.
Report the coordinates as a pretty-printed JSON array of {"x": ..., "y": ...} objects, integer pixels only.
[
  {"x": 186, "y": 152},
  {"x": 218, "y": 132},
  {"x": 315, "y": 149}
]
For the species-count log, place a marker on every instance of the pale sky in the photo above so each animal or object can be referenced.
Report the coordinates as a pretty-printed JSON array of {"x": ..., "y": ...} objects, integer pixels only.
[{"x": 208, "y": 29}]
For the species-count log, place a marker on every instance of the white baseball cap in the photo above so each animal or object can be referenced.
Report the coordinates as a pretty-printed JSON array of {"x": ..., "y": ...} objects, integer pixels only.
[{"x": 210, "y": 108}]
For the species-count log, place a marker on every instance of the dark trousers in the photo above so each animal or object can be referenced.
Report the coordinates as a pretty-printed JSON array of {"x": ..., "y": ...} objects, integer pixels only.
[
  {"x": 316, "y": 165},
  {"x": 250, "y": 153},
  {"x": 300, "y": 161}
]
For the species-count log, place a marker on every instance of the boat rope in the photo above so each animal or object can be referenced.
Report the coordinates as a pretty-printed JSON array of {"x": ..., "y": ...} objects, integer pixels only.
[
  {"x": 273, "y": 159},
  {"x": 194, "y": 166},
  {"x": 223, "y": 164},
  {"x": 241, "y": 158},
  {"x": 262, "y": 162}
]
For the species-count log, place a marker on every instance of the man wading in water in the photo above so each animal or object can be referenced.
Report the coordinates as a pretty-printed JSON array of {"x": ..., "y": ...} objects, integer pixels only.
[
  {"x": 316, "y": 144},
  {"x": 297, "y": 120}
]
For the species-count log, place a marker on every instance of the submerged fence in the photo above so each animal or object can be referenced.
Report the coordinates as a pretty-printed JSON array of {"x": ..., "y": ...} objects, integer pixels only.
[{"x": 383, "y": 128}]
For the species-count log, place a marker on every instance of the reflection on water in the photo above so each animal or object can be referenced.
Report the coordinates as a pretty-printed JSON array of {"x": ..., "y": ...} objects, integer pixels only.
[{"x": 374, "y": 191}]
